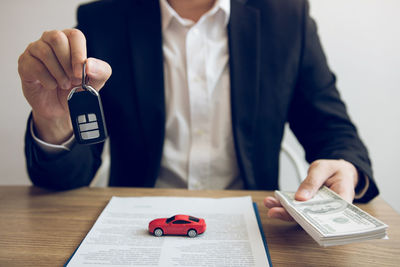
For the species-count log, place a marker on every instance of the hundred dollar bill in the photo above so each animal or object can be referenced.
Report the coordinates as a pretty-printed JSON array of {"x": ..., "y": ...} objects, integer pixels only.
[{"x": 330, "y": 220}]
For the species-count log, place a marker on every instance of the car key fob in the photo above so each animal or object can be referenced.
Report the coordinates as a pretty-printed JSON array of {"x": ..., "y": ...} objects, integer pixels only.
[{"x": 86, "y": 113}]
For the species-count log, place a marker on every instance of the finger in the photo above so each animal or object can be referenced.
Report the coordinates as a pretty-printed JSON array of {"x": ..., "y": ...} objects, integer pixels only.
[
  {"x": 32, "y": 70},
  {"x": 271, "y": 202},
  {"x": 342, "y": 186},
  {"x": 59, "y": 43},
  {"x": 98, "y": 72},
  {"x": 77, "y": 43},
  {"x": 279, "y": 213},
  {"x": 43, "y": 52},
  {"x": 318, "y": 173}
]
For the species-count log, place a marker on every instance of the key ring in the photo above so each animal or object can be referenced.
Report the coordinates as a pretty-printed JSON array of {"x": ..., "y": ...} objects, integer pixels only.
[
  {"x": 83, "y": 85},
  {"x": 84, "y": 78}
]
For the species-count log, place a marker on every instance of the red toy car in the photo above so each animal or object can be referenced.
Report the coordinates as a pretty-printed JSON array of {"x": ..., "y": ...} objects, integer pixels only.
[{"x": 177, "y": 225}]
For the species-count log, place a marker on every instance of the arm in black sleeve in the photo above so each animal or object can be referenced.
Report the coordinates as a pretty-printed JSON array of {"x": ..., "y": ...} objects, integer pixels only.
[
  {"x": 318, "y": 116},
  {"x": 67, "y": 170}
]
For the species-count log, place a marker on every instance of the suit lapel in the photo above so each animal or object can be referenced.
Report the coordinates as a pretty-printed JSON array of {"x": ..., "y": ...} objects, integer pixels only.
[
  {"x": 145, "y": 38},
  {"x": 244, "y": 49}
]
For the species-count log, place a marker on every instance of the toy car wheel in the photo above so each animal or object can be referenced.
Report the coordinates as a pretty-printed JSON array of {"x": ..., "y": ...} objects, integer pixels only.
[
  {"x": 158, "y": 232},
  {"x": 192, "y": 233}
]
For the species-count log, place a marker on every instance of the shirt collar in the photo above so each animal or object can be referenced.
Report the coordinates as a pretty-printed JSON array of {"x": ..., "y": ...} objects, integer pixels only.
[{"x": 168, "y": 13}]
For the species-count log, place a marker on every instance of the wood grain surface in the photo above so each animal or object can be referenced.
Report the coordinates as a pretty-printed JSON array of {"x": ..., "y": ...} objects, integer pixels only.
[{"x": 43, "y": 228}]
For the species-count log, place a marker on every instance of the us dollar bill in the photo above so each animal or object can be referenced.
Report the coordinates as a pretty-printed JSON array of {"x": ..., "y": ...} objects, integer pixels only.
[{"x": 329, "y": 218}]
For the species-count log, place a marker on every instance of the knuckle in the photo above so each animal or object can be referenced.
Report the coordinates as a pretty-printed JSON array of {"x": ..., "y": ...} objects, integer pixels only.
[
  {"x": 75, "y": 33},
  {"x": 320, "y": 164},
  {"x": 30, "y": 45},
  {"x": 45, "y": 34},
  {"x": 55, "y": 38},
  {"x": 315, "y": 164}
]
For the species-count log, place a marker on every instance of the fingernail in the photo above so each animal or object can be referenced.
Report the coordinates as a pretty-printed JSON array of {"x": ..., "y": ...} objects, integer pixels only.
[{"x": 306, "y": 193}]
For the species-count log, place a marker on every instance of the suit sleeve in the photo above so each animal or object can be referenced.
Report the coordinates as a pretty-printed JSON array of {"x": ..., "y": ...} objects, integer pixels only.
[
  {"x": 65, "y": 170},
  {"x": 318, "y": 116}
]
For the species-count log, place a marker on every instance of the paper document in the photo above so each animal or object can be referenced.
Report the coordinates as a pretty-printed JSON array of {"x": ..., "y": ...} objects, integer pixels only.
[{"x": 120, "y": 235}]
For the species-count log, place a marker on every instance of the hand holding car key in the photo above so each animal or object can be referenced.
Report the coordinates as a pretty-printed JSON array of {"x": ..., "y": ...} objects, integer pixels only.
[{"x": 86, "y": 113}]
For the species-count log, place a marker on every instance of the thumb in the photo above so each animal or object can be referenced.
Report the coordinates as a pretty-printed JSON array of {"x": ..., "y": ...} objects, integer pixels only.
[
  {"x": 318, "y": 173},
  {"x": 98, "y": 72}
]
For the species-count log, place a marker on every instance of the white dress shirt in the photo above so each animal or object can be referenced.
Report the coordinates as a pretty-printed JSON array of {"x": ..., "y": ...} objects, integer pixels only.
[{"x": 198, "y": 148}]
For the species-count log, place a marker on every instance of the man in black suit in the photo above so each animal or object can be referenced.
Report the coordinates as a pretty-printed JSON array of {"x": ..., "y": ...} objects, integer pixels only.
[{"x": 276, "y": 73}]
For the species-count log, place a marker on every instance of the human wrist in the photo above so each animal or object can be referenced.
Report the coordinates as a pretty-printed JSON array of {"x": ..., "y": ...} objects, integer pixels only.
[{"x": 52, "y": 130}]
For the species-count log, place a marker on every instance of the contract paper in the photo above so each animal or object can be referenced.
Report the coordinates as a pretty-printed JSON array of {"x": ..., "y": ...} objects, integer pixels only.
[{"x": 120, "y": 235}]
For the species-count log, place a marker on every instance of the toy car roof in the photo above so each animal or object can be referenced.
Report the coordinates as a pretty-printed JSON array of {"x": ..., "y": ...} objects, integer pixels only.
[{"x": 184, "y": 217}]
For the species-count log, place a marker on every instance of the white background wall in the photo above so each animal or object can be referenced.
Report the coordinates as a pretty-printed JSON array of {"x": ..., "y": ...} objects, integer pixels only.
[{"x": 361, "y": 39}]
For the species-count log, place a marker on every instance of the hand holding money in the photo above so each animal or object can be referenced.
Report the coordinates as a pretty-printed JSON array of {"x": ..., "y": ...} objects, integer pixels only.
[
  {"x": 339, "y": 175},
  {"x": 330, "y": 220}
]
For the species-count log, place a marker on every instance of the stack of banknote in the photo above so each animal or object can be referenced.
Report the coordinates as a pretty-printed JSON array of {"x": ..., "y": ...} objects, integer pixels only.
[{"x": 330, "y": 220}]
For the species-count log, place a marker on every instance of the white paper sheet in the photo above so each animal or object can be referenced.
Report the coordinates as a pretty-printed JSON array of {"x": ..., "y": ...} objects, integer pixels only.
[{"x": 120, "y": 235}]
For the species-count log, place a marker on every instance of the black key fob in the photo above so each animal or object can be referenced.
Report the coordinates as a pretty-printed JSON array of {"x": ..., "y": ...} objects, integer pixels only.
[{"x": 87, "y": 115}]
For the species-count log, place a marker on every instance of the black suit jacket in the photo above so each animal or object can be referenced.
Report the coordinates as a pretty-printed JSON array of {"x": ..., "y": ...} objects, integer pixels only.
[{"x": 278, "y": 73}]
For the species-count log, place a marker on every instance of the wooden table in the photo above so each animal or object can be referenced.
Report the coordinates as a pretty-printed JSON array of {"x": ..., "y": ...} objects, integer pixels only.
[{"x": 43, "y": 228}]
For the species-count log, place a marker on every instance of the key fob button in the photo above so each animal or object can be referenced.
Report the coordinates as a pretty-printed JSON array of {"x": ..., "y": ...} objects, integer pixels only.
[
  {"x": 90, "y": 135},
  {"x": 88, "y": 126},
  {"x": 92, "y": 117},
  {"x": 81, "y": 119}
]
